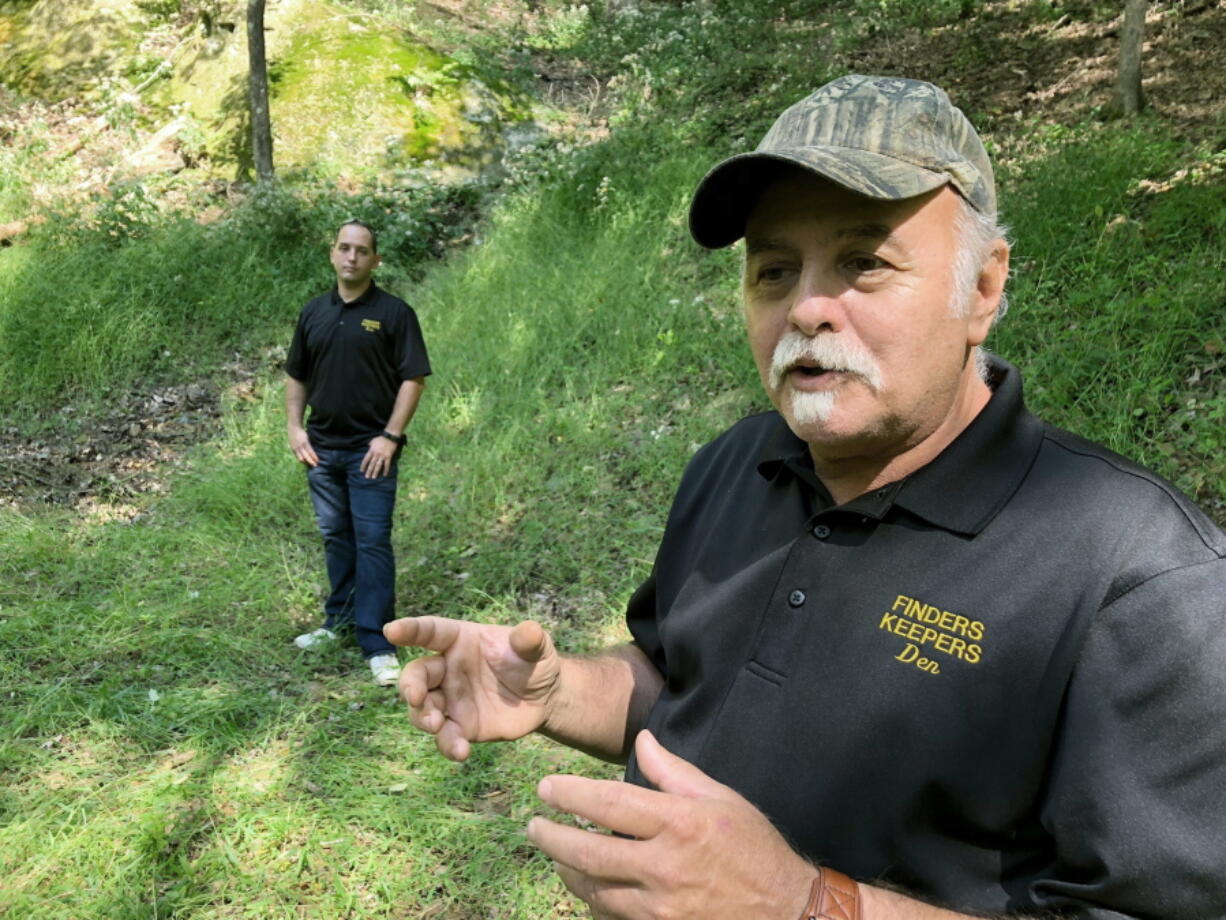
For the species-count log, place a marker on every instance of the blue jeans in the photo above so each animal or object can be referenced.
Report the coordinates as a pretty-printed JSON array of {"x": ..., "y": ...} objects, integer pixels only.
[{"x": 355, "y": 517}]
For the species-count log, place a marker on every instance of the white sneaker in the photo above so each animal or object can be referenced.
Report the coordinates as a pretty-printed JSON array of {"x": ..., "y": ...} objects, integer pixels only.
[
  {"x": 385, "y": 668},
  {"x": 315, "y": 638}
]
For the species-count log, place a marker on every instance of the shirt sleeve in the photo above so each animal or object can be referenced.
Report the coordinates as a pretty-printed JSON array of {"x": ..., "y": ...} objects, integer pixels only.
[
  {"x": 298, "y": 362},
  {"x": 412, "y": 359},
  {"x": 643, "y": 625},
  {"x": 1137, "y": 798}
]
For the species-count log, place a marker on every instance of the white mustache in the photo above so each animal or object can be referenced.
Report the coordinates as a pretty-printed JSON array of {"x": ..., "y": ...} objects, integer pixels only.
[{"x": 830, "y": 352}]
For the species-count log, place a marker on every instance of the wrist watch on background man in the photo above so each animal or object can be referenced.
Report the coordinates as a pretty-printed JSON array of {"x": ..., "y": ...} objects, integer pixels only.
[{"x": 398, "y": 438}]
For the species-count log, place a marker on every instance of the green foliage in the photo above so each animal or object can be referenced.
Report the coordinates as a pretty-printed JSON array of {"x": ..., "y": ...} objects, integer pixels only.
[
  {"x": 561, "y": 28},
  {"x": 163, "y": 10},
  {"x": 877, "y": 15},
  {"x": 163, "y": 737},
  {"x": 702, "y": 63},
  {"x": 140, "y": 66}
]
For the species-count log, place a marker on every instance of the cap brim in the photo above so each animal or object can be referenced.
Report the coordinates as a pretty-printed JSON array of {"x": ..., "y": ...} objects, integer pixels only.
[{"x": 725, "y": 196}]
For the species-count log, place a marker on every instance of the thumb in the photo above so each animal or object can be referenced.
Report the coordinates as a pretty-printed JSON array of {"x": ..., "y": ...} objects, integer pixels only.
[
  {"x": 530, "y": 642},
  {"x": 670, "y": 773}
]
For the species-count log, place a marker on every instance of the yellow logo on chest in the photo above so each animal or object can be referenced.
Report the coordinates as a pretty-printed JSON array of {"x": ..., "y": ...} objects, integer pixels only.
[
  {"x": 928, "y": 627},
  {"x": 371, "y": 325}
]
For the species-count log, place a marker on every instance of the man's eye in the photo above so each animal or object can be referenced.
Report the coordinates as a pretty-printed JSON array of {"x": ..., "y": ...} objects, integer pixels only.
[
  {"x": 862, "y": 265},
  {"x": 772, "y": 274}
]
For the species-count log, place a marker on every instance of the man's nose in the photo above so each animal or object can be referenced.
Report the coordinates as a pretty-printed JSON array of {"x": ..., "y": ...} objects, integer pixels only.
[{"x": 817, "y": 306}]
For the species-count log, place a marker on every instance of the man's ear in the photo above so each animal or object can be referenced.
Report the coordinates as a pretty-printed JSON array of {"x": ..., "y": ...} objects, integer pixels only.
[{"x": 989, "y": 289}]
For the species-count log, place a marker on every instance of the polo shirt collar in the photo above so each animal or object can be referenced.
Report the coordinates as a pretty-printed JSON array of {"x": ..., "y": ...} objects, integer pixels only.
[
  {"x": 367, "y": 296},
  {"x": 965, "y": 486}
]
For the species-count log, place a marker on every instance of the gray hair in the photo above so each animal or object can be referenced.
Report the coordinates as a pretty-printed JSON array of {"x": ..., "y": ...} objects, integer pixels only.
[{"x": 976, "y": 232}]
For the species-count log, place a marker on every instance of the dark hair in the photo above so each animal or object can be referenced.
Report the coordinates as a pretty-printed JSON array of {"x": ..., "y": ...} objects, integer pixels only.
[{"x": 354, "y": 222}]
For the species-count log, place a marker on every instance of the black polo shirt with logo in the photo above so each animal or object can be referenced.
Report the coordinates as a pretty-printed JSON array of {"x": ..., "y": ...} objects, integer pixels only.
[
  {"x": 353, "y": 357},
  {"x": 999, "y": 683}
]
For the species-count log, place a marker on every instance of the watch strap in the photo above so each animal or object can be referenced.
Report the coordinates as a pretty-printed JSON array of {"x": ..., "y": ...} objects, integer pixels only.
[
  {"x": 398, "y": 438},
  {"x": 833, "y": 896}
]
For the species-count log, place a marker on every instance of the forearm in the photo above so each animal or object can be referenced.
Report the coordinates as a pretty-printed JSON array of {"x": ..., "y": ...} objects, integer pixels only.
[
  {"x": 877, "y": 903},
  {"x": 295, "y": 402},
  {"x": 407, "y": 398},
  {"x": 601, "y": 703}
]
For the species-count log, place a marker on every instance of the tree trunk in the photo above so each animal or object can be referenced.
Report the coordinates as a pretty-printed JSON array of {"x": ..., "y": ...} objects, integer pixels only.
[
  {"x": 261, "y": 126},
  {"x": 1127, "y": 98}
]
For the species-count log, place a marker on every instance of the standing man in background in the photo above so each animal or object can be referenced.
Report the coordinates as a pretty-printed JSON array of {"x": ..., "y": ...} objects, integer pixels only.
[{"x": 359, "y": 361}]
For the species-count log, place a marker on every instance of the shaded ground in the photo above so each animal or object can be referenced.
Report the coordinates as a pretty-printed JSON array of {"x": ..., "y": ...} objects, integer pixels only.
[
  {"x": 1006, "y": 65},
  {"x": 1013, "y": 64},
  {"x": 104, "y": 464}
]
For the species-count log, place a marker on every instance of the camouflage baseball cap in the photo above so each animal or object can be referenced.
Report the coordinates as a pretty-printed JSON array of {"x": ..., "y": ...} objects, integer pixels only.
[{"x": 884, "y": 137}]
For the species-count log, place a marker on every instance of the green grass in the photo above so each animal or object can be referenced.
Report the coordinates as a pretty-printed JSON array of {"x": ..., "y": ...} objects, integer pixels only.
[
  {"x": 129, "y": 292},
  {"x": 163, "y": 739},
  {"x": 1119, "y": 297}
]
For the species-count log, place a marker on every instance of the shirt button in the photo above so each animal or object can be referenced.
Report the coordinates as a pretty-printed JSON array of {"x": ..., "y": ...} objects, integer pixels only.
[
  {"x": 796, "y": 598},
  {"x": 821, "y": 531}
]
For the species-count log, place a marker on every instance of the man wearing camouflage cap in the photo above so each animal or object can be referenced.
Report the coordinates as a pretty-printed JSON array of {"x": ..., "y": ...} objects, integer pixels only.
[{"x": 906, "y": 651}]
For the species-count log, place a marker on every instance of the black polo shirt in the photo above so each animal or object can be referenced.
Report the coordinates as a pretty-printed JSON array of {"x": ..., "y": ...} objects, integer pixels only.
[
  {"x": 999, "y": 683},
  {"x": 353, "y": 357}
]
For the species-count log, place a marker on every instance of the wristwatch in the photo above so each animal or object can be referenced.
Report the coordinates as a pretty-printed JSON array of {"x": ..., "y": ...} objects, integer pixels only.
[{"x": 398, "y": 438}]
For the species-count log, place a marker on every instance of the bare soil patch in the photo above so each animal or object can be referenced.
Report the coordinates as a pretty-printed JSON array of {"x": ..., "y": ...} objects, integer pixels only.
[{"x": 105, "y": 462}]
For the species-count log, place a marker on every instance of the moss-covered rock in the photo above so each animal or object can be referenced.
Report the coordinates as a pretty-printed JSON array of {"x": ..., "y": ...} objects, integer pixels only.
[
  {"x": 350, "y": 95},
  {"x": 60, "y": 48},
  {"x": 347, "y": 95}
]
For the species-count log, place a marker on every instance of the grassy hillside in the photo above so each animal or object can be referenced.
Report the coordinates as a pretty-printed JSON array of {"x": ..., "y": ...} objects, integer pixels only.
[{"x": 167, "y": 743}]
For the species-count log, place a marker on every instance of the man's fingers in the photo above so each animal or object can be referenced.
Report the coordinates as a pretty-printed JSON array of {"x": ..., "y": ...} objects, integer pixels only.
[
  {"x": 434, "y": 633},
  {"x": 618, "y": 806},
  {"x": 600, "y": 857},
  {"x": 306, "y": 455},
  {"x": 420, "y": 676},
  {"x": 606, "y": 900},
  {"x": 672, "y": 774},
  {"x": 451, "y": 742},
  {"x": 429, "y": 718},
  {"x": 529, "y": 641}
]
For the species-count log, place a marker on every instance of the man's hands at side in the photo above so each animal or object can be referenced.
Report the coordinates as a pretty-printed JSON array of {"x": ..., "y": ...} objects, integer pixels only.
[
  {"x": 484, "y": 683},
  {"x": 379, "y": 457},
  {"x": 377, "y": 462},
  {"x": 300, "y": 444},
  {"x": 700, "y": 849}
]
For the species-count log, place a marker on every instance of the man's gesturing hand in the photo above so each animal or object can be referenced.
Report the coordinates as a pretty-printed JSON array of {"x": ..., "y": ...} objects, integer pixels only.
[
  {"x": 486, "y": 683},
  {"x": 701, "y": 850}
]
